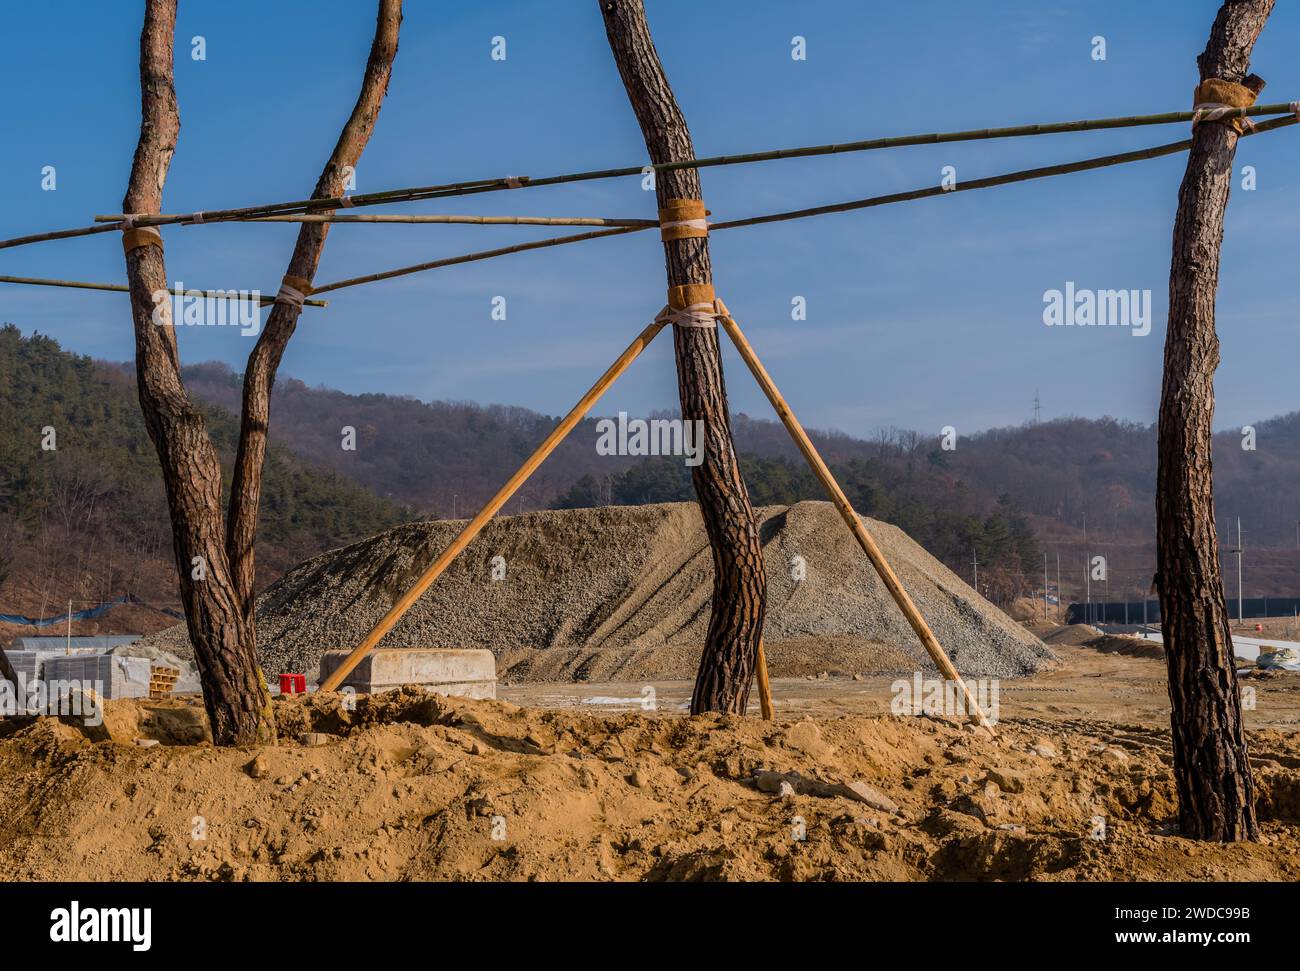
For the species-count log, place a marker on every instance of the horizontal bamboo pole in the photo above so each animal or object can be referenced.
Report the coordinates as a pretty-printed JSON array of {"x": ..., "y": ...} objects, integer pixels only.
[
  {"x": 494, "y": 185},
  {"x": 474, "y": 257},
  {"x": 454, "y": 220},
  {"x": 264, "y": 300},
  {"x": 475, "y": 525},
  {"x": 58, "y": 234},
  {"x": 864, "y": 538},
  {"x": 1024, "y": 175}
]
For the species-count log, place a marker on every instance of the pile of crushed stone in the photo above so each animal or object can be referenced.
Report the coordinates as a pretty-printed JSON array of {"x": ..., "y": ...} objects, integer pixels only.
[
  {"x": 622, "y": 594},
  {"x": 413, "y": 786}
]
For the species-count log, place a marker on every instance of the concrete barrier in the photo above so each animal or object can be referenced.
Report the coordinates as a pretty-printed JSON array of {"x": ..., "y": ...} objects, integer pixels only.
[{"x": 448, "y": 671}]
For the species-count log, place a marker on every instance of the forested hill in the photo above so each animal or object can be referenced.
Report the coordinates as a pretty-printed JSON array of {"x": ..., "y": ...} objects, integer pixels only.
[
  {"x": 82, "y": 510},
  {"x": 982, "y": 498},
  {"x": 1062, "y": 471},
  {"x": 93, "y": 508}
]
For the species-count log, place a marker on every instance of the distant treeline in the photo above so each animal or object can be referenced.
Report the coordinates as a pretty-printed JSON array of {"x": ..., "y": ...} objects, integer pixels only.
[{"x": 82, "y": 509}]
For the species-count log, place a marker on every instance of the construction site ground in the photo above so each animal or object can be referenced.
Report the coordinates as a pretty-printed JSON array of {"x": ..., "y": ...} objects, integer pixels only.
[{"x": 553, "y": 782}]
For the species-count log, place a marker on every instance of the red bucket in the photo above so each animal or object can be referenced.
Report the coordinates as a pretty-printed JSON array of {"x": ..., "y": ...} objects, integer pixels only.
[{"x": 293, "y": 684}]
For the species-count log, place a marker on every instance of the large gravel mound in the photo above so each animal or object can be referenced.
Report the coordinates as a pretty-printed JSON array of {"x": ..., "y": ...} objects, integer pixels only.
[{"x": 622, "y": 593}]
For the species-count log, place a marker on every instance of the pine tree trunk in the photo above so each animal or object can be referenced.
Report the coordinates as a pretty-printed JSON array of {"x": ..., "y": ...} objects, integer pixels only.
[
  {"x": 7, "y": 672},
  {"x": 1216, "y": 798},
  {"x": 739, "y": 587},
  {"x": 215, "y": 563},
  {"x": 264, "y": 360},
  {"x": 234, "y": 691}
]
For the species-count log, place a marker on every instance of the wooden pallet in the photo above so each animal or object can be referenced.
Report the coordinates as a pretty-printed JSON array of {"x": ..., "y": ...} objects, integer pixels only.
[{"x": 162, "y": 680}]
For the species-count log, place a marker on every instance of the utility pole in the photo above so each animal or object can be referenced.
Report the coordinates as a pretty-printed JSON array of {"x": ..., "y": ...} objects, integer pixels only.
[
  {"x": 1106, "y": 607},
  {"x": 1240, "y": 549},
  {"x": 1087, "y": 574},
  {"x": 975, "y": 566},
  {"x": 1038, "y": 407},
  {"x": 1237, "y": 550},
  {"x": 1044, "y": 584},
  {"x": 1058, "y": 585}
]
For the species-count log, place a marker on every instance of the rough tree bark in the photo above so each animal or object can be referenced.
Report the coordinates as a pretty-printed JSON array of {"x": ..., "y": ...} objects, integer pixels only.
[
  {"x": 218, "y": 601},
  {"x": 1216, "y": 798},
  {"x": 264, "y": 361},
  {"x": 7, "y": 672},
  {"x": 739, "y": 587}
]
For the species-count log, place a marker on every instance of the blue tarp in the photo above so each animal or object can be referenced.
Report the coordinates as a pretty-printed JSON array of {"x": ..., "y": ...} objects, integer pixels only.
[{"x": 90, "y": 614}]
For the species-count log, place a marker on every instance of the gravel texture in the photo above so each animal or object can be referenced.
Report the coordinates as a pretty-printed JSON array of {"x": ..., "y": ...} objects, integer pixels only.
[{"x": 622, "y": 593}]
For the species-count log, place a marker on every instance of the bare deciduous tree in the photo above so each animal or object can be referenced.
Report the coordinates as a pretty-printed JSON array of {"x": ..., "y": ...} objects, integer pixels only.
[
  {"x": 1216, "y": 797},
  {"x": 215, "y": 558}
]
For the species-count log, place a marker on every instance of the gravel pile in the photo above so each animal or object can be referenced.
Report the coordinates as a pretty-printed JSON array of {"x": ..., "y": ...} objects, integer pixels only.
[{"x": 622, "y": 593}]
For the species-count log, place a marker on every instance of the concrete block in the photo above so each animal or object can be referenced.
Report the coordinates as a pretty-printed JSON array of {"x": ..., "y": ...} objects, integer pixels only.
[
  {"x": 447, "y": 671},
  {"x": 119, "y": 677}
]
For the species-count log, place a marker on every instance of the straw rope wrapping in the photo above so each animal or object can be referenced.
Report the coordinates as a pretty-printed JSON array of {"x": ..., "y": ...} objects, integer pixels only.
[
  {"x": 1223, "y": 102},
  {"x": 293, "y": 291},
  {"x": 134, "y": 237},
  {"x": 691, "y": 305},
  {"x": 683, "y": 219}
]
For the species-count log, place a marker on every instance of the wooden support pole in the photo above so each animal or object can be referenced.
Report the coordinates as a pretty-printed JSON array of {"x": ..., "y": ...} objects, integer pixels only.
[
  {"x": 475, "y": 525},
  {"x": 401, "y": 218},
  {"x": 264, "y": 300},
  {"x": 764, "y": 686},
  {"x": 499, "y": 184},
  {"x": 877, "y": 558}
]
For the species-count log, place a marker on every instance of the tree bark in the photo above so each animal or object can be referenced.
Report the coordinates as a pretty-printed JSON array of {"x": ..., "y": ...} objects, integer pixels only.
[
  {"x": 7, "y": 672},
  {"x": 215, "y": 588},
  {"x": 739, "y": 588},
  {"x": 1216, "y": 799},
  {"x": 264, "y": 360}
]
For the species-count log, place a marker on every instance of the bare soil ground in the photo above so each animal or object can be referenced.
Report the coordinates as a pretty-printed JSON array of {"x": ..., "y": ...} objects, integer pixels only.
[{"x": 1076, "y": 786}]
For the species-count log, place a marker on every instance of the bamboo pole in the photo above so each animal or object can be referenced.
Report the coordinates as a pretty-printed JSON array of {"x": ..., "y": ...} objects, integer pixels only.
[
  {"x": 505, "y": 183},
  {"x": 823, "y": 473},
  {"x": 1023, "y": 175},
  {"x": 475, "y": 525},
  {"x": 264, "y": 300},
  {"x": 482, "y": 255},
  {"x": 58, "y": 234},
  {"x": 764, "y": 686},
  {"x": 445, "y": 219}
]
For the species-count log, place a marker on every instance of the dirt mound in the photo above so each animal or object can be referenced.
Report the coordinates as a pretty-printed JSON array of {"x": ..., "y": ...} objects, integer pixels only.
[
  {"x": 1026, "y": 610},
  {"x": 1072, "y": 635},
  {"x": 623, "y": 593},
  {"x": 414, "y": 786},
  {"x": 1127, "y": 645}
]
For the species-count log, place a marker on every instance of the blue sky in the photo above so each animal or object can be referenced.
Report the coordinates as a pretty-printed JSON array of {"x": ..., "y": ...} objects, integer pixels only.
[{"x": 919, "y": 315}]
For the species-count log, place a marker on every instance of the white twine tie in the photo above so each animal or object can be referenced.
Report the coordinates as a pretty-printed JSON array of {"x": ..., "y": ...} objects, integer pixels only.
[{"x": 702, "y": 315}]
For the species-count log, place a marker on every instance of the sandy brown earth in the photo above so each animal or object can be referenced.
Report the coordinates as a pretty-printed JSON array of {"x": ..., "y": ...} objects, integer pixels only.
[{"x": 1076, "y": 786}]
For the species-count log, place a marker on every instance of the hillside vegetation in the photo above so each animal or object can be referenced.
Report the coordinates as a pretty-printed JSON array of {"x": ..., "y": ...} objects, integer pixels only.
[{"x": 83, "y": 515}]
